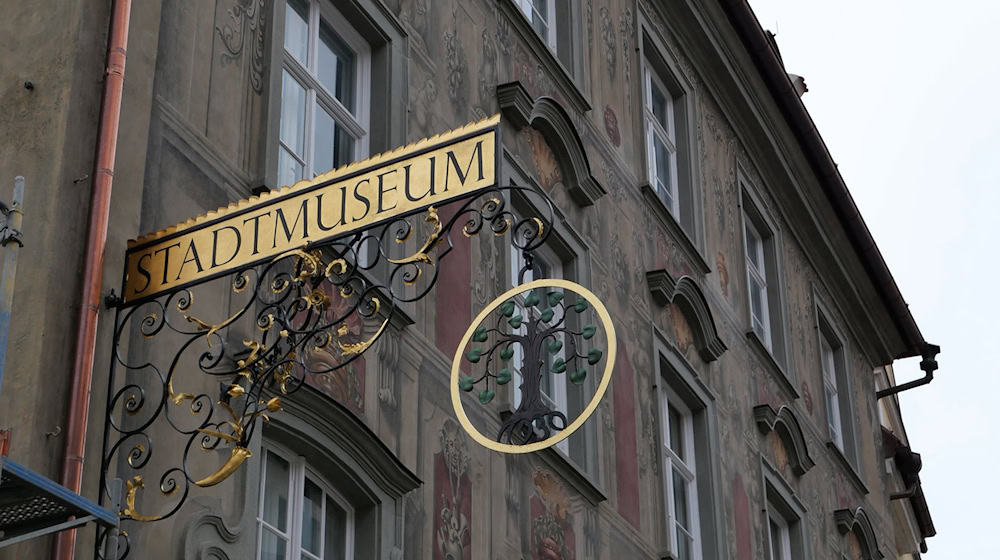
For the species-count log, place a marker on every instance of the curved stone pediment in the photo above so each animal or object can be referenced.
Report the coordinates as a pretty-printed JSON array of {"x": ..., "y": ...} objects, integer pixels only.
[
  {"x": 784, "y": 422},
  {"x": 857, "y": 521},
  {"x": 548, "y": 117},
  {"x": 689, "y": 298}
]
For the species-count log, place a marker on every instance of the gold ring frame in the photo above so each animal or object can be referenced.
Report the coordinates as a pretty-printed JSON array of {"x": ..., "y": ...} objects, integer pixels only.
[{"x": 602, "y": 388}]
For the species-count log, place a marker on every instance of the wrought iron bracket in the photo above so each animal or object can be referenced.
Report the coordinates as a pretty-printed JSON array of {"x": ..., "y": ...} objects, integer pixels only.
[{"x": 306, "y": 313}]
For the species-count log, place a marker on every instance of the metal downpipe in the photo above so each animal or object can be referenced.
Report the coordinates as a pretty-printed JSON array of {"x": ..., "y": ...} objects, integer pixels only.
[{"x": 97, "y": 234}]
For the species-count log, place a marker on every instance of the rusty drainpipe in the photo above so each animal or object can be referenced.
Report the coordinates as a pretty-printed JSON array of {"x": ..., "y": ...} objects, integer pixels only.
[{"x": 97, "y": 235}]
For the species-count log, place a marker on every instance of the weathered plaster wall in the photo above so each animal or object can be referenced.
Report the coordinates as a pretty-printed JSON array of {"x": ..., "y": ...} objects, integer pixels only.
[{"x": 194, "y": 130}]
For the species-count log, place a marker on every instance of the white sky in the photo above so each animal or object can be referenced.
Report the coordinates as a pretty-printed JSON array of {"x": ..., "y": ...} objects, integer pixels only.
[{"x": 906, "y": 96}]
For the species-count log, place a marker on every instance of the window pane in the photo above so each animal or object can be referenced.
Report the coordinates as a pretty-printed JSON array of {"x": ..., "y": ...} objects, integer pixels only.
[
  {"x": 753, "y": 247},
  {"x": 276, "y": 493},
  {"x": 658, "y": 105},
  {"x": 293, "y": 114},
  {"x": 343, "y": 147},
  {"x": 663, "y": 179},
  {"x": 312, "y": 517},
  {"x": 336, "y": 531},
  {"x": 775, "y": 530},
  {"x": 756, "y": 300},
  {"x": 335, "y": 66},
  {"x": 324, "y": 133},
  {"x": 289, "y": 169},
  {"x": 272, "y": 547},
  {"x": 676, "y": 423},
  {"x": 681, "y": 508},
  {"x": 685, "y": 545},
  {"x": 297, "y": 29}
]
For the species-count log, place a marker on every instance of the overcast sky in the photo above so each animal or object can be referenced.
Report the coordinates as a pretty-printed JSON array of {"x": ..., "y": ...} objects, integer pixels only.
[{"x": 906, "y": 95}]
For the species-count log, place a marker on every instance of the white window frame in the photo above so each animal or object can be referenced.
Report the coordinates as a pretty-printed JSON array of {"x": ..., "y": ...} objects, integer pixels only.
[
  {"x": 356, "y": 123},
  {"x": 667, "y": 136},
  {"x": 686, "y": 468},
  {"x": 831, "y": 392},
  {"x": 298, "y": 470},
  {"x": 530, "y": 12},
  {"x": 784, "y": 536},
  {"x": 558, "y": 399},
  {"x": 760, "y": 276}
]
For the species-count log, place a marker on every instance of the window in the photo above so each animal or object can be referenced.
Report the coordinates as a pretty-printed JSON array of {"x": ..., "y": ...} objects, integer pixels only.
[
  {"x": 836, "y": 388},
  {"x": 301, "y": 515},
  {"x": 681, "y": 482},
  {"x": 661, "y": 140},
  {"x": 542, "y": 15},
  {"x": 553, "y": 22},
  {"x": 325, "y": 86},
  {"x": 757, "y": 283},
  {"x": 780, "y": 541},
  {"x": 784, "y": 527},
  {"x": 784, "y": 514},
  {"x": 830, "y": 390},
  {"x": 557, "y": 391},
  {"x": 760, "y": 245}
]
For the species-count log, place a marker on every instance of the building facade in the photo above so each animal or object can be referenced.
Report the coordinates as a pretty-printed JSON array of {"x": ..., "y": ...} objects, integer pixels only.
[{"x": 756, "y": 320}]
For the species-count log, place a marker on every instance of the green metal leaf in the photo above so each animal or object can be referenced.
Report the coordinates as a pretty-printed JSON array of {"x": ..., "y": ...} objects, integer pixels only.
[
  {"x": 554, "y": 345},
  {"x": 532, "y": 299},
  {"x": 507, "y": 308},
  {"x": 481, "y": 335},
  {"x": 555, "y": 298},
  {"x": 507, "y": 353},
  {"x": 515, "y": 321},
  {"x": 547, "y": 315},
  {"x": 559, "y": 366},
  {"x": 581, "y": 305},
  {"x": 474, "y": 355},
  {"x": 588, "y": 331},
  {"x": 594, "y": 356},
  {"x": 503, "y": 377},
  {"x": 486, "y": 395},
  {"x": 465, "y": 383},
  {"x": 578, "y": 376}
]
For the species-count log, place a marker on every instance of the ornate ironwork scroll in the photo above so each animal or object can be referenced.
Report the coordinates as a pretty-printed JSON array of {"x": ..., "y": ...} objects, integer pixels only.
[{"x": 167, "y": 434}]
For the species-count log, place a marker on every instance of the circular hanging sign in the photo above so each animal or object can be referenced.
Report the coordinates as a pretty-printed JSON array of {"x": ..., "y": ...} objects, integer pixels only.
[{"x": 529, "y": 334}]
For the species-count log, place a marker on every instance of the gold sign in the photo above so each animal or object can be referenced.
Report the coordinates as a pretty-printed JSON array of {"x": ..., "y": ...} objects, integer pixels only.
[{"x": 352, "y": 198}]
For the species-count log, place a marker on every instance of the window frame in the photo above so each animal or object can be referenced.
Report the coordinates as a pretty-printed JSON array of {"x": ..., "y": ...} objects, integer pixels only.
[
  {"x": 316, "y": 94},
  {"x": 684, "y": 216},
  {"x": 299, "y": 470},
  {"x": 568, "y": 247},
  {"x": 675, "y": 375},
  {"x": 527, "y": 8},
  {"x": 781, "y": 504},
  {"x": 755, "y": 216},
  {"x": 654, "y": 130},
  {"x": 688, "y": 470},
  {"x": 828, "y": 331}
]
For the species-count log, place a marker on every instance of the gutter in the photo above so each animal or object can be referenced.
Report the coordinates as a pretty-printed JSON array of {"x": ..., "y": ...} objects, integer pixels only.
[
  {"x": 97, "y": 235},
  {"x": 769, "y": 64}
]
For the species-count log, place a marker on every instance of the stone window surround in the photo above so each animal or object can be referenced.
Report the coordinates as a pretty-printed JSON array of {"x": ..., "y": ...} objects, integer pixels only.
[
  {"x": 568, "y": 245},
  {"x": 387, "y": 103},
  {"x": 567, "y": 80},
  {"x": 690, "y": 237},
  {"x": 775, "y": 358},
  {"x": 826, "y": 325},
  {"x": 781, "y": 499},
  {"x": 369, "y": 475},
  {"x": 673, "y": 369}
]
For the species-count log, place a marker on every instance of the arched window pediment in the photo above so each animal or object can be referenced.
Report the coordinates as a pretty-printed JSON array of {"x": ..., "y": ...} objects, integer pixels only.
[
  {"x": 784, "y": 422},
  {"x": 547, "y": 116},
  {"x": 689, "y": 298},
  {"x": 857, "y": 521}
]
